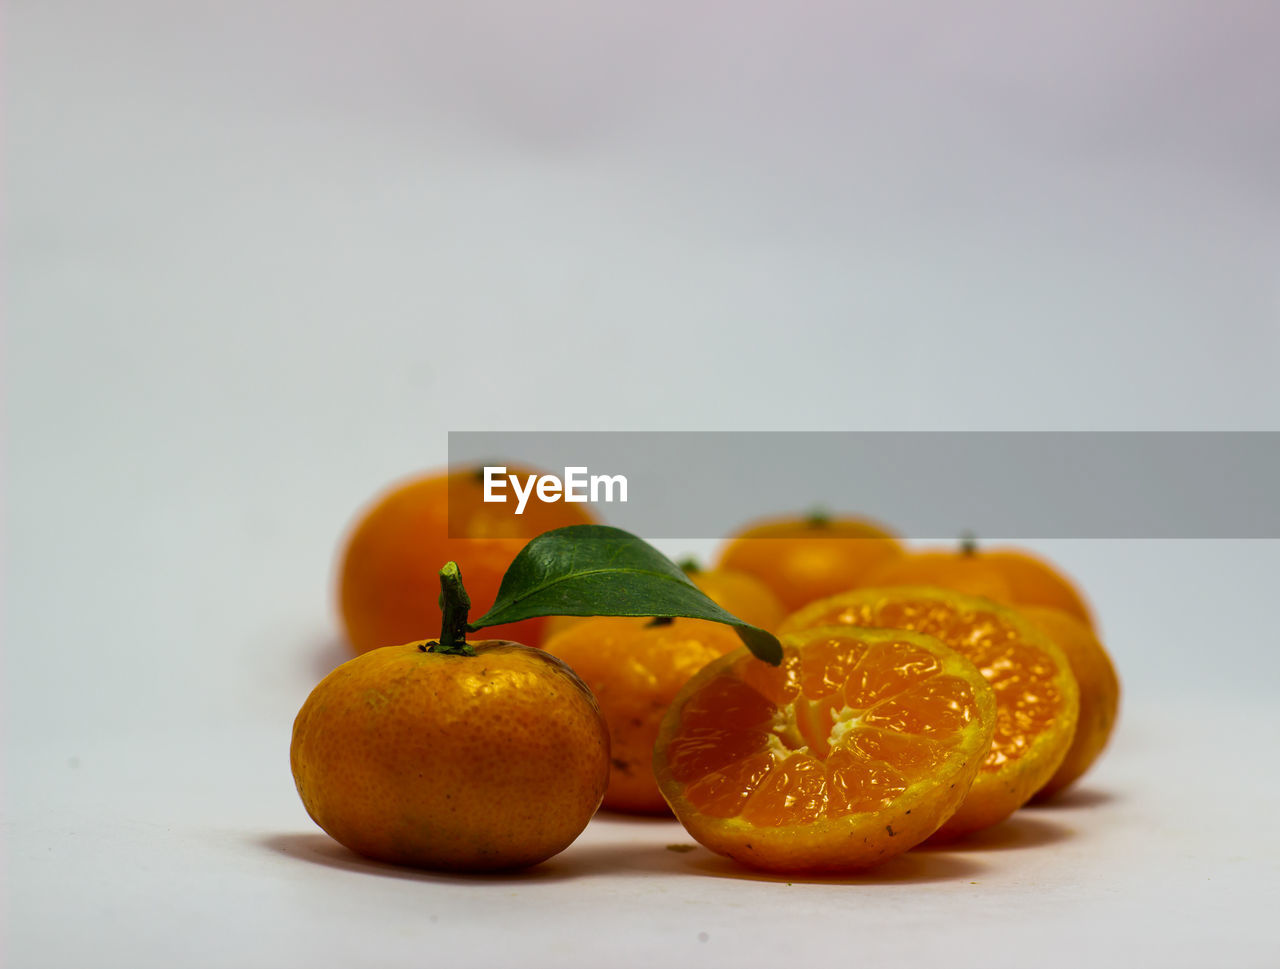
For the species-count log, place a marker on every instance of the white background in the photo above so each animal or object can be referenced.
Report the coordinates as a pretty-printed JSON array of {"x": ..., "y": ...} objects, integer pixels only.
[{"x": 262, "y": 256}]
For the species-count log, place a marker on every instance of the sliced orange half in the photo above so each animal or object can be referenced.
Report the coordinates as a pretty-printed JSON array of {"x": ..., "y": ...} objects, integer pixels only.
[
  {"x": 1037, "y": 699},
  {"x": 854, "y": 749}
]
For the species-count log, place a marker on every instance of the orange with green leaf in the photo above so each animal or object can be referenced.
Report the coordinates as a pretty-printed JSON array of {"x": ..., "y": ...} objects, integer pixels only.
[{"x": 479, "y": 756}]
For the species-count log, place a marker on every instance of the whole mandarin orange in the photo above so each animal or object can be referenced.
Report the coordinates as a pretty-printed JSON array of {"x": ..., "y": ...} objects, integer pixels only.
[
  {"x": 803, "y": 559},
  {"x": 387, "y": 582},
  {"x": 635, "y": 667},
  {"x": 452, "y": 755},
  {"x": 1013, "y": 576}
]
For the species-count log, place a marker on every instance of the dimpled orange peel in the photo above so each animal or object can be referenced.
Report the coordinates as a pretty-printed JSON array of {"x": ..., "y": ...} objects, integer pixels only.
[
  {"x": 452, "y": 755},
  {"x": 854, "y": 749},
  {"x": 1037, "y": 698}
]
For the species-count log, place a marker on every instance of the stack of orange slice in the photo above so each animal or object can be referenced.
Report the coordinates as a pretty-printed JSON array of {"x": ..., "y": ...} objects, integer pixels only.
[
  {"x": 1037, "y": 699},
  {"x": 854, "y": 749}
]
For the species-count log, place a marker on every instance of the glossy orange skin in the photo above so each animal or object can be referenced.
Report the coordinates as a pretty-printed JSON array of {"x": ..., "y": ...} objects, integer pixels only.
[
  {"x": 1099, "y": 693},
  {"x": 803, "y": 559},
  {"x": 1013, "y": 576},
  {"x": 388, "y": 579},
  {"x": 458, "y": 763},
  {"x": 635, "y": 668}
]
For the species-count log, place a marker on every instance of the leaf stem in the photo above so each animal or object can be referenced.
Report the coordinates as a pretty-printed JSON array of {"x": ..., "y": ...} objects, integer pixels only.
[
  {"x": 817, "y": 517},
  {"x": 968, "y": 544},
  {"x": 454, "y": 604}
]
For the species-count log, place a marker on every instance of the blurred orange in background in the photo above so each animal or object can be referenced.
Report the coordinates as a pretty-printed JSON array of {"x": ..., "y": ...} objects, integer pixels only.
[
  {"x": 740, "y": 593},
  {"x": 1013, "y": 576},
  {"x": 388, "y": 582},
  {"x": 806, "y": 558}
]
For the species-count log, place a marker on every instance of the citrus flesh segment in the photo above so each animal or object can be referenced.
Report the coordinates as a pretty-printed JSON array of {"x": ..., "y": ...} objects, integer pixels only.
[
  {"x": 852, "y": 750},
  {"x": 1037, "y": 698}
]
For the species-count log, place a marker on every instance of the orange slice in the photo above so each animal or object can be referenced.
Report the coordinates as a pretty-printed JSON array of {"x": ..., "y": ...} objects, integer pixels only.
[
  {"x": 1037, "y": 699},
  {"x": 857, "y": 747},
  {"x": 1099, "y": 693}
]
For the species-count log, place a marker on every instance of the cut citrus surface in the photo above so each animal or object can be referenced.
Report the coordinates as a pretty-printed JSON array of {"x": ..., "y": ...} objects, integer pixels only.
[
  {"x": 855, "y": 748},
  {"x": 1037, "y": 699}
]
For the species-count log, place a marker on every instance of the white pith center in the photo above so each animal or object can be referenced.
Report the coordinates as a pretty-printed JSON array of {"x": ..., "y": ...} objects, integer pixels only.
[{"x": 787, "y": 738}]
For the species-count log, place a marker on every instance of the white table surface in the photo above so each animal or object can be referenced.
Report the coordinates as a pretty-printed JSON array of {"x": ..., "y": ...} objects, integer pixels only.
[
  {"x": 151, "y": 818},
  {"x": 192, "y": 849},
  {"x": 261, "y": 255}
]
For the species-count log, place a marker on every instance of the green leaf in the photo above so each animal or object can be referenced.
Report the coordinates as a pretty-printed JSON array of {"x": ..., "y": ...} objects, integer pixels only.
[{"x": 596, "y": 570}]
